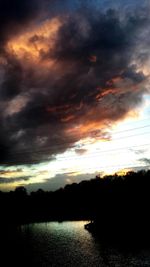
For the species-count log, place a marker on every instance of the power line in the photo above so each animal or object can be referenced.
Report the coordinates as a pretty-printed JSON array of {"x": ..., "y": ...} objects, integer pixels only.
[
  {"x": 92, "y": 155},
  {"x": 28, "y": 161},
  {"x": 101, "y": 152},
  {"x": 62, "y": 145},
  {"x": 132, "y": 129},
  {"x": 128, "y": 136}
]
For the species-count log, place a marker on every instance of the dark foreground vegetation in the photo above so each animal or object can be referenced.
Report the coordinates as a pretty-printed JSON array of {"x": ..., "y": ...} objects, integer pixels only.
[{"x": 118, "y": 206}]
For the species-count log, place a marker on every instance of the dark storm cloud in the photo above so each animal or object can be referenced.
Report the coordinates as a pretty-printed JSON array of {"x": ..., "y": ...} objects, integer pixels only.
[
  {"x": 14, "y": 14},
  {"x": 95, "y": 80},
  {"x": 12, "y": 79}
]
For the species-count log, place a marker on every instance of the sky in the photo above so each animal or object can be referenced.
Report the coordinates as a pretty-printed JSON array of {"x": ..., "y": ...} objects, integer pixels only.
[{"x": 74, "y": 90}]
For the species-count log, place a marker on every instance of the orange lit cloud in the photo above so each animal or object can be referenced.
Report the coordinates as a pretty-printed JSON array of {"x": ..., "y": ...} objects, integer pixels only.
[
  {"x": 69, "y": 118},
  {"x": 66, "y": 78},
  {"x": 29, "y": 45}
]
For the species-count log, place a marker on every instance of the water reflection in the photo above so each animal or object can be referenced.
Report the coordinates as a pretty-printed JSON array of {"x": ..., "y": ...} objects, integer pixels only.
[
  {"x": 63, "y": 244},
  {"x": 68, "y": 244}
]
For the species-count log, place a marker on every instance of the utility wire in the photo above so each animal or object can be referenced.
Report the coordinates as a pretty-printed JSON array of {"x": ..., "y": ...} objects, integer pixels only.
[
  {"x": 88, "y": 155},
  {"x": 65, "y": 157},
  {"x": 63, "y": 145}
]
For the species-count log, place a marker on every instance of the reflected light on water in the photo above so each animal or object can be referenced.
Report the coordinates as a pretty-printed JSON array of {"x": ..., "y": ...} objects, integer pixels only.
[{"x": 67, "y": 244}]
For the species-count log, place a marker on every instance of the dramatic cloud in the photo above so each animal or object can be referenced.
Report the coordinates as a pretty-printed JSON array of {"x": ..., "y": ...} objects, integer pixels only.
[
  {"x": 14, "y": 15},
  {"x": 66, "y": 74}
]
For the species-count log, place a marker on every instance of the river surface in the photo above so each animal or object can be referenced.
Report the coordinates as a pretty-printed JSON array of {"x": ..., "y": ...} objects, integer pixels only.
[{"x": 67, "y": 244}]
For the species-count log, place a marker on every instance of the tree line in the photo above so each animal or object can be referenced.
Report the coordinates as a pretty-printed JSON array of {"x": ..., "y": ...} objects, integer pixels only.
[{"x": 115, "y": 203}]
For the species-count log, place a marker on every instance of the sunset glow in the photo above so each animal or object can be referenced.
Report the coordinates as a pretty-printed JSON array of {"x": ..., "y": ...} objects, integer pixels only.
[
  {"x": 39, "y": 39},
  {"x": 74, "y": 94}
]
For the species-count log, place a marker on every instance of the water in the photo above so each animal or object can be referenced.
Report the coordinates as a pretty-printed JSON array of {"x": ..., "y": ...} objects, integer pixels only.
[{"x": 66, "y": 244}]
